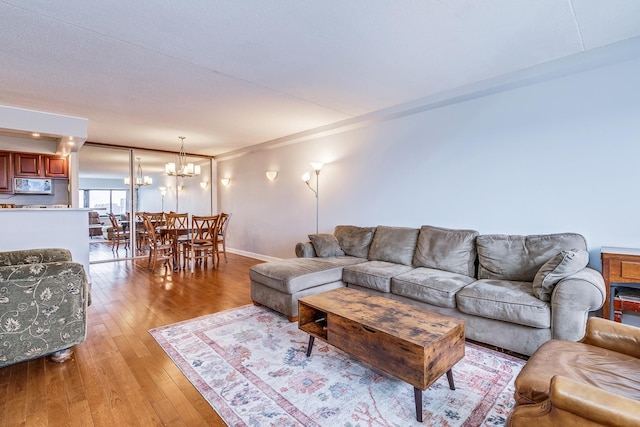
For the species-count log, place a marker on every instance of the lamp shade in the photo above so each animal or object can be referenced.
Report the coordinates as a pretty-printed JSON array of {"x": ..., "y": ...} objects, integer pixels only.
[
  {"x": 271, "y": 175},
  {"x": 317, "y": 166}
]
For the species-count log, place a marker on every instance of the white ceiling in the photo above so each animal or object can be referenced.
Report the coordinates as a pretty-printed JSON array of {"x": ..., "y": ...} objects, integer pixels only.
[{"x": 233, "y": 73}]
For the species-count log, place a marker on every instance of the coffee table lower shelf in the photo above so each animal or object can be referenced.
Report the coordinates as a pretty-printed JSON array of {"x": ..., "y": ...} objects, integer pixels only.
[{"x": 413, "y": 344}]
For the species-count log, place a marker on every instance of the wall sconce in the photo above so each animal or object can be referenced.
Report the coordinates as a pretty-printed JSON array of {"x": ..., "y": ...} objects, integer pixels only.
[
  {"x": 204, "y": 184},
  {"x": 180, "y": 187},
  {"x": 306, "y": 177},
  {"x": 225, "y": 181},
  {"x": 271, "y": 175}
]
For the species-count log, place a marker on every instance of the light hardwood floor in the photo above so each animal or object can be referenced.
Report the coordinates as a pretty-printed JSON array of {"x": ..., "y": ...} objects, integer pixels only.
[{"x": 120, "y": 375}]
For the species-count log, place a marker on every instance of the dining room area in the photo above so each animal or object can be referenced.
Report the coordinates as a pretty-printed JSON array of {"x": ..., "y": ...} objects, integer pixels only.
[{"x": 155, "y": 206}]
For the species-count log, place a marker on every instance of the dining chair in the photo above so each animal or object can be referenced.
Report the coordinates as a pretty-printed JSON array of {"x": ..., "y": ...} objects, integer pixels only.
[
  {"x": 159, "y": 249},
  {"x": 142, "y": 236},
  {"x": 157, "y": 218},
  {"x": 202, "y": 242},
  {"x": 223, "y": 223},
  {"x": 119, "y": 235},
  {"x": 178, "y": 225}
]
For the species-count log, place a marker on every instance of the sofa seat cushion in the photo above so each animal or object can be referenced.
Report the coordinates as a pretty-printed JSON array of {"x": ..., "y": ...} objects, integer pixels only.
[
  {"x": 511, "y": 257},
  {"x": 430, "y": 285},
  {"x": 509, "y": 301},
  {"x": 375, "y": 275},
  {"x": 607, "y": 370},
  {"x": 296, "y": 274}
]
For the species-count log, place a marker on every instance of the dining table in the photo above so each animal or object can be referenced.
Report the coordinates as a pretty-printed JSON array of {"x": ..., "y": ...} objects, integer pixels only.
[{"x": 173, "y": 234}]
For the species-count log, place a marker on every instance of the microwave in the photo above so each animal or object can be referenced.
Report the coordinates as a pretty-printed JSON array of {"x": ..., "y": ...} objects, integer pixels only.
[{"x": 32, "y": 186}]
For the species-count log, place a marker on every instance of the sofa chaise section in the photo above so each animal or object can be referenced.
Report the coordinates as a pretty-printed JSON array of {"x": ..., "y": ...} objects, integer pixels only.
[{"x": 279, "y": 284}]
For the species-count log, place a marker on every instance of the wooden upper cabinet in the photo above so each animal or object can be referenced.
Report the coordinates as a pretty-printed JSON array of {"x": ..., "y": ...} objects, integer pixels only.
[
  {"x": 30, "y": 165},
  {"x": 6, "y": 176},
  {"x": 27, "y": 165},
  {"x": 55, "y": 167}
]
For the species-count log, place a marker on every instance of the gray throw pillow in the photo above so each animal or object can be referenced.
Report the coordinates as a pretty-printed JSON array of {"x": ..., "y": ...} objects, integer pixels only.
[
  {"x": 354, "y": 241},
  {"x": 326, "y": 245},
  {"x": 565, "y": 263}
]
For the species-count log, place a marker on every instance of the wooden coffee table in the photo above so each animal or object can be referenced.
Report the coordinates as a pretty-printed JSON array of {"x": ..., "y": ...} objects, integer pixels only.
[{"x": 413, "y": 344}]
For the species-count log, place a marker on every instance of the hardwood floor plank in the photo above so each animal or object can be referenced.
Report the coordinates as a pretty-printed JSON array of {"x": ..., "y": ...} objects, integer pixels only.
[
  {"x": 95, "y": 389},
  {"x": 36, "y": 404},
  {"x": 57, "y": 408},
  {"x": 15, "y": 412}
]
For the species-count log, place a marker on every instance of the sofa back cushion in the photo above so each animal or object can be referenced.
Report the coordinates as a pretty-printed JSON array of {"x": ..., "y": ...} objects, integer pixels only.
[
  {"x": 511, "y": 257},
  {"x": 447, "y": 249},
  {"x": 394, "y": 244},
  {"x": 354, "y": 241}
]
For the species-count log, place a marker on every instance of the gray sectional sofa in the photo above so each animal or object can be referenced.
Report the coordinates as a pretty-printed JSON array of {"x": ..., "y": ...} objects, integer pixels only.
[{"x": 514, "y": 292}]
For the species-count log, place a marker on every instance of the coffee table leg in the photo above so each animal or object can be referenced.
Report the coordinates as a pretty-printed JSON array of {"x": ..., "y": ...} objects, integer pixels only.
[
  {"x": 452, "y": 386},
  {"x": 310, "y": 346},
  {"x": 417, "y": 394}
]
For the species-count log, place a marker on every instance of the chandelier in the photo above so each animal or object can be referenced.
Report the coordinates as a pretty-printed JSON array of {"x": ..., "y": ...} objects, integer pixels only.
[
  {"x": 140, "y": 180},
  {"x": 182, "y": 168}
]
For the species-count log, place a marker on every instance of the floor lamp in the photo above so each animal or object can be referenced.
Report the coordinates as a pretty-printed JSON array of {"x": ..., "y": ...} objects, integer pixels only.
[
  {"x": 317, "y": 167},
  {"x": 163, "y": 191}
]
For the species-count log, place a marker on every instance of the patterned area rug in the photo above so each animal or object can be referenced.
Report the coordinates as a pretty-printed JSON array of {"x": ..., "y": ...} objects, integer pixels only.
[{"x": 250, "y": 364}]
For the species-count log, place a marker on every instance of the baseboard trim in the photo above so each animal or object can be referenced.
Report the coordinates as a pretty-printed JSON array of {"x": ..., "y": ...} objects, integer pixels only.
[{"x": 252, "y": 255}]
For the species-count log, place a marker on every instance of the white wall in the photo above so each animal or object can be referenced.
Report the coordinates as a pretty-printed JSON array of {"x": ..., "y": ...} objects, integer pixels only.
[
  {"x": 47, "y": 228},
  {"x": 560, "y": 155}
]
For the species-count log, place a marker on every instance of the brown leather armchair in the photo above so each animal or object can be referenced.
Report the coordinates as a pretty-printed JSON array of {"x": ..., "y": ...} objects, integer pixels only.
[{"x": 594, "y": 382}]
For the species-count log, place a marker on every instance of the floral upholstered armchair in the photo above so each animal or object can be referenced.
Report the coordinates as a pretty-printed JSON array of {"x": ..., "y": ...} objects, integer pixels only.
[{"x": 43, "y": 304}]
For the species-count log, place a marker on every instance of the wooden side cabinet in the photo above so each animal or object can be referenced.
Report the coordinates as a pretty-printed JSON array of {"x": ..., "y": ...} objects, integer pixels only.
[
  {"x": 27, "y": 165},
  {"x": 619, "y": 266},
  {"x": 55, "y": 167},
  {"x": 6, "y": 184}
]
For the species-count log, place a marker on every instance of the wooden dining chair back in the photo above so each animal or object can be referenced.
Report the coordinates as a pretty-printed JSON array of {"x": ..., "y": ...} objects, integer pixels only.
[
  {"x": 202, "y": 242},
  {"x": 159, "y": 249},
  {"x": 142, "y": 236},
  {"x": 223, "y": 223},
  {"x": 157, "y": 218},
  {"x": 118, "y": 234},
  {"x": 178, "y": 223}
]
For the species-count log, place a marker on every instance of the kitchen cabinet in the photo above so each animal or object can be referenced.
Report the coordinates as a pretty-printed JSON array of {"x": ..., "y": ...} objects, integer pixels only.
[
  {"x": 55, "y": 167},
  {"x": 27, "y": 165},
  {"x": 6, "y": 177}
]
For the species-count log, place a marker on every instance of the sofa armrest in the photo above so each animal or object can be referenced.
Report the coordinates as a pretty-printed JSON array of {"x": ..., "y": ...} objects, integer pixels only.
[
  {"x": 33, "y": 256},
  {"x": 613, "y": 336},
  {"x": 305, "y": 250},
  {"x": 572, "y": 300},
  {"x": 575, "y": 403}
]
